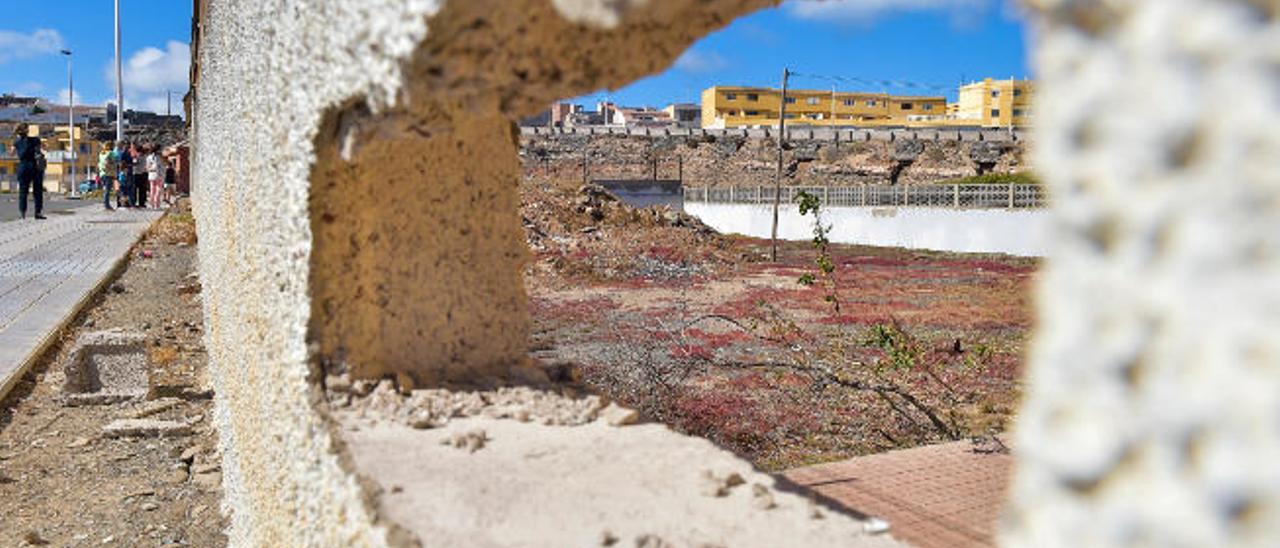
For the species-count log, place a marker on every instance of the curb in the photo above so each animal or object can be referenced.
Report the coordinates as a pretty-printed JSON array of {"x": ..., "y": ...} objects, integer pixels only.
[{"x": 46, "y": 342}]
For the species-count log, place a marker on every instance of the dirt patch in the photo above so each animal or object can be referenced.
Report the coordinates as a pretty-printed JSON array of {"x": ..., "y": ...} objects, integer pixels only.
[
  {"x": 583, "y": 233},
  {"x": 70, "y": 478}
]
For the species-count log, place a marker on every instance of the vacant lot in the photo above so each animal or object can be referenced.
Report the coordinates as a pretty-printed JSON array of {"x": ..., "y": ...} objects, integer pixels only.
[{"x": 700, "y": 331}]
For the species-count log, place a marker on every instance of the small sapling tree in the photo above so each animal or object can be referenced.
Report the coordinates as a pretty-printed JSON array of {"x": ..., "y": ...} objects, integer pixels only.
[{"x": 811, "y": 204}]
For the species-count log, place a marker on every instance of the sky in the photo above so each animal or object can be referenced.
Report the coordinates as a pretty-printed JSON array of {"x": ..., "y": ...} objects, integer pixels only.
[
  {"x": 927, "y": 46},
  {"x": 155, "y": 39}
]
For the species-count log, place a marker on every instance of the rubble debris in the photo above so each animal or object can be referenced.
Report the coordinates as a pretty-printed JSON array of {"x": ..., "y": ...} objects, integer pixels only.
[
  {"x": 471, "y": 440},
  {"x": 715, "y": 485},
  {"x": 156, "y": 407},
  {"x": 616, "y": 415},
  {"x": 435, "y": 408},
  {"x": 145, "y": 428}
]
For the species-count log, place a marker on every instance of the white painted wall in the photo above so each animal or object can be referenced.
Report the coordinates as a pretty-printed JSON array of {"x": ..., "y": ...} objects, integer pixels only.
[{"x": 1016, "y": 232}]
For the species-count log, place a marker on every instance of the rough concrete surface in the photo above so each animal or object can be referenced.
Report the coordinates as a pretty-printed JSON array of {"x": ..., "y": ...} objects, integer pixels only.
[
  {"x": 1150, "y": 415},
  {"x": 523, "y": 467},
  {"x": 105, "y": 367}
]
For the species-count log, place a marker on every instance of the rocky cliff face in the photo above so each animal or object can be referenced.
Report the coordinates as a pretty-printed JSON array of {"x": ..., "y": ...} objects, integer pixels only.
[{"x": 724, "y": 161}]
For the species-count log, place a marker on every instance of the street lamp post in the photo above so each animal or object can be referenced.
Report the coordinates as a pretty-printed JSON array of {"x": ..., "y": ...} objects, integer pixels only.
[
  {"x": 119, "y": 83},
  {"x": 71, "y": 128}
]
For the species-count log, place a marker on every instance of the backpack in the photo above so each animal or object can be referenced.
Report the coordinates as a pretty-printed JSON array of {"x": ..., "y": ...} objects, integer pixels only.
[{"x": 41, "y": 163}]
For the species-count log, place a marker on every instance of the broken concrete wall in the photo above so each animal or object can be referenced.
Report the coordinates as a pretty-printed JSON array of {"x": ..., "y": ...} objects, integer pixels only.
[
  {"x": 270, "y": 71},
  {"x": 357, "y": 210},
  {"x": 1151, "y": 414}
]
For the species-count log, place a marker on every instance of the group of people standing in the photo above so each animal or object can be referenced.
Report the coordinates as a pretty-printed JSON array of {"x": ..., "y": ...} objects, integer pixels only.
[{"x": 140, "y": 176}]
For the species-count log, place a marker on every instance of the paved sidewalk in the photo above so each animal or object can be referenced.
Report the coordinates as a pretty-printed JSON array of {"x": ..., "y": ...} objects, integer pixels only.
[
  {"x": 938, "y": 496},
  {"x": 48, "y": 271}
]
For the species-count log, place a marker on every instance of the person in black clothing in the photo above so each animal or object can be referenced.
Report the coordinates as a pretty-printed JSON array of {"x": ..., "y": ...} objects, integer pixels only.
[
  {"x": 29, "y": 170},
  {"x": 170, "y": 184},
  {"x": 125, "y": 174}
]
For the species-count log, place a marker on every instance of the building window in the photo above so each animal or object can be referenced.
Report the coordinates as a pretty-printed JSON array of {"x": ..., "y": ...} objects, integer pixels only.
[
  {"x": 995, "y": 113},
  {"x": 928, "y": 107},
  {"x": 1017, "y": 112},
  {"x": 791, "y": 116},
  {"x": 731, "y": 96},
  {"x": 753, "y": 97},
  {"x": 907, "y": 106},
  {"x": 849, "y": 102},
  {"x": 84, "y": 149},
  {"x": 871, "y": 103},
  {"x": 1017, "y": 93},
  {"x": 812, "y": 100},
  {"x": 995, "y": 93},
  {"x": 791, "y": 100},
  {"x": 753, "y": 113}
]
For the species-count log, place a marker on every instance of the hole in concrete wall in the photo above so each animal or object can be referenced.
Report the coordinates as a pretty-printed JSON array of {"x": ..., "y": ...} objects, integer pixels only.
[
  {"x": 656, "y": 308},
  {"x": 419, "y": 270},
  {"x": 417, "y": 254}
]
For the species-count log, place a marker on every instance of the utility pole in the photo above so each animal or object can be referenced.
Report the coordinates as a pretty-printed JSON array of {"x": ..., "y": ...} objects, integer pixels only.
[
  {"x": 119, "y": 83},
  {"x": 833, "y": 105},
  {"x": 71, "y": 126},
  {"x": 777, "y": 183}
]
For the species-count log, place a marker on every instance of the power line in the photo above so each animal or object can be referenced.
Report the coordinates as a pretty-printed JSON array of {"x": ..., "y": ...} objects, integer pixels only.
[{"x": 870, "y": 82}]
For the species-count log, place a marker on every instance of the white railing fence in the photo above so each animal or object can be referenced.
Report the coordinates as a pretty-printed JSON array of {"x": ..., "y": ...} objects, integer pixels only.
[{"x": 982, "y": 196}]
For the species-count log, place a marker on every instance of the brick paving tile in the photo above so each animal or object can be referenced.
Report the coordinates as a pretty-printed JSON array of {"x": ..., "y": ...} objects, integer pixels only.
[
  {"x": 48, "y": 269},
  {"x": 938, "y": 496}
]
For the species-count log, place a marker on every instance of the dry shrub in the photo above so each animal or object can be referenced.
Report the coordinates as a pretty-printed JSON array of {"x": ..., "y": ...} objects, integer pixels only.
[
  {"x": 164, "y": 355},
  {"x": 175, "y": 228}
]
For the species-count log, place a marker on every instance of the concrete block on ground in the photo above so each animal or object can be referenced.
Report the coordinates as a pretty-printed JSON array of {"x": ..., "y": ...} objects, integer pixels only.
[
  {"x": 106, "y": 367},
  {"x": 146, "y": 428}
]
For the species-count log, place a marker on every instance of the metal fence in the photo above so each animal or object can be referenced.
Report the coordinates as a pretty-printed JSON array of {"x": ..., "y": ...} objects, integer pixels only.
[{"x": 985, "y": 196}]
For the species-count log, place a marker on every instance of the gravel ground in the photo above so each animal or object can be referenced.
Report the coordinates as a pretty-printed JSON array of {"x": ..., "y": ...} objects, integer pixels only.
[{"x": 62, "y": 481}]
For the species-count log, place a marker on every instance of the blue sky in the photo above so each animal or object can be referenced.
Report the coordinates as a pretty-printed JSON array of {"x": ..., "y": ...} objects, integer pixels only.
[
  {"x": 929, "y": 42},
  {"x": 155, "y": 39}
]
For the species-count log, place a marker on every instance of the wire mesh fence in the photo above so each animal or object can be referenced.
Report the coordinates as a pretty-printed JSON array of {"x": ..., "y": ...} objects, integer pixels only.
[{"x": 982, "y": 196}]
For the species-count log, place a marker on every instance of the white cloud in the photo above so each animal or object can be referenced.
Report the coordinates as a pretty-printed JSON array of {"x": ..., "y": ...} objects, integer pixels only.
[
  {"x": 63, "y": 95},
  {"x": 867, "y": 11},
  {"x": 16, "y": 45},
  {"x": 696, "y": 62},
  {"x": 150, "y": 73}
]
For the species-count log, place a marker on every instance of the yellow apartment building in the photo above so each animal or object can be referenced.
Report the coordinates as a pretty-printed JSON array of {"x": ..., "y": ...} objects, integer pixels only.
[
  {"x": 995, "y": 103},
  {"x": 740, "y": 106}
]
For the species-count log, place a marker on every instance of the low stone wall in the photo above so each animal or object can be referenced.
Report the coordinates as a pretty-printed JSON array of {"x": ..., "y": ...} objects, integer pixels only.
[{"x": 719, "y": 159}]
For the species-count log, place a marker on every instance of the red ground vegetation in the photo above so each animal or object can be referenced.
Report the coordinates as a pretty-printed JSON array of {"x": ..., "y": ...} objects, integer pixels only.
[{"x": 696, "y": 330}]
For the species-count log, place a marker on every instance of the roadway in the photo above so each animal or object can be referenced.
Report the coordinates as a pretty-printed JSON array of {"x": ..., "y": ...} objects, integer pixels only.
[{"x": 54, "y": 205}]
